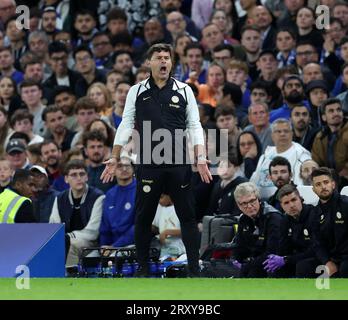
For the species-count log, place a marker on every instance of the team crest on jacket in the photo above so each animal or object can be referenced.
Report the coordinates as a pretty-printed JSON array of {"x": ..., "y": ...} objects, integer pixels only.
[
  {"x": 305, "y": 232},
  {"x": 146, "y": 189},
  {"x": 175, "y": 99},
  {"x": 127, "y": 206},
  {"x": 322, "y": 217},
  {"x": 338, "y": 215}
]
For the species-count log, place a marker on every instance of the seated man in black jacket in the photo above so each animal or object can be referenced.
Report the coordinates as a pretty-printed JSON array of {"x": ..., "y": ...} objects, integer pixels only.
[
  {"x": 330, "y": 229},
  {"x": 221, "y": 199},
  {"x": 258, "y": 231},
  {"x": 295, "y": 234}
]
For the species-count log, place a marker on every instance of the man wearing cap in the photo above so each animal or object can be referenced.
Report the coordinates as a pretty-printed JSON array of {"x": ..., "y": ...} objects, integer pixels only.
[
  {"x": 15, "y": 153},
  {"x": 267, "y": 64},
  {"x": 293, "y": 94},
  {"x": 15, "y": 203},
  {"x": 317, "y": 92},
  {"x": 44, "y": 195}
]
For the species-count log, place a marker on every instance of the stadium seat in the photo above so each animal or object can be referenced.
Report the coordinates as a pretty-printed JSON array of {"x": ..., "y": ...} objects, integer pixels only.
[
  {"x": 308, "y": 195},
  {"x": 344, "y": 191}
]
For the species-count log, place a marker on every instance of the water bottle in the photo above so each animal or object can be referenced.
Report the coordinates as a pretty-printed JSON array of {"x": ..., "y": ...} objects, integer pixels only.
[
  {"x": 126, "y": 269},
  {"x": 152, "y": 269},
  {"x": 161, "y": 269},
  {"x": 135, "y": 266}
]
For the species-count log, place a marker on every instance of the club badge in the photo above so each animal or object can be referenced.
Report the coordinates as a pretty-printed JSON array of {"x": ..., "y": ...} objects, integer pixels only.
[
  {"x": 305, "y": 232},
  {"x": 146, "y": 189},
  {"x": 127, "y": 206},
  {"x": 175, "y": 99},
  {"x": 339, "y": 215}
]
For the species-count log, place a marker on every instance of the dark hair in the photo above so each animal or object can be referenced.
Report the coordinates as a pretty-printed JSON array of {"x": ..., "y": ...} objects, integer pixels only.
[
  {"x": 222, "y": 110},
  {"x": 91, "y": 136},
  {"x": 250, "y": 27},
  {"x": 74, "y": 164},
  {"x": 118, "y": 53},
  {"x": 158, "y": 47},
  {"x": 344, "y": 40},
  {"x": 62, "y": 89},
  {"x": 193, "y": 45},
  {"x": 328, "y": 102},
  {"x": 100, "y": 34},
  {"x": 57, "y": 46},
  {"x": 6, "y": 48},
  {"x": 232, "y": 157},
  {"x": 21, "y": 114},
  {"x": 224, "y": 46},
  {"x": 30, "y": 83},
  {"x": 258, "y": 146},
  {"x": 20, "y": 135},
  {"x": 123, "y": 82},
  {"x": 83, "y": 47},
  {"x": 279, "y": 161},
  {"x": 32, "y": 60},
  {"x": 85, "y": 103},
  {"x": 286, "y": 190},
  {"x": 84, "y": 12},
  {"x": 116, "y": 13},
  {"x": 234, "y": 92},
  {"x": 260, "y": 84},
  {"x": 46, "y": 143},
  {"x": 50, "y": 109},
  {"x": 289, "y": 31},
  {"x": 109, "y": 140},
  {"x": 123, "y": 37},
  {"x": 323, "y": 171},
  {"x": 21, "y": 176}
]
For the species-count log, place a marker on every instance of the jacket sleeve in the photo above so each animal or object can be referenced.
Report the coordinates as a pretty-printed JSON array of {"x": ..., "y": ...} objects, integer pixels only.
[
  {"x": 273, "y": 233},
  {"x": 124, "y": 130},
  {"x": 193, "y": 124},
  {"x": 105, "y": 228},
  {"x": 319, "y": 247},
  {"x": 55, "y": 218},
  {"x": 25, "y": 213},
  {"x": 317, "y": 151},
  {"x": 91, "y": 231}
]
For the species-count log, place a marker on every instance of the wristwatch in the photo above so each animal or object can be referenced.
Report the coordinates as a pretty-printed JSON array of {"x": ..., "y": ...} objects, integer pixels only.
[{"x": 201, "y": 157}]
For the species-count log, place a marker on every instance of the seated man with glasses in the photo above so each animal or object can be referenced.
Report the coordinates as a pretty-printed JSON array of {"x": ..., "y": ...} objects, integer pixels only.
[
  {"x": 117, "y": 225},
  {"x": 258, "y": 231},
  {"x": 80, "y": 208}
]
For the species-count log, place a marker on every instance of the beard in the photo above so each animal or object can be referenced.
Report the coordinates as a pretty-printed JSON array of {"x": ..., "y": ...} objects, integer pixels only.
[{"x": 294, "y": 97}]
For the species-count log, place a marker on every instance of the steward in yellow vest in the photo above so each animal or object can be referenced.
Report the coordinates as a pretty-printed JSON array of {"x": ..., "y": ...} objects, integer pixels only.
[{"x": 15, "y": 204}]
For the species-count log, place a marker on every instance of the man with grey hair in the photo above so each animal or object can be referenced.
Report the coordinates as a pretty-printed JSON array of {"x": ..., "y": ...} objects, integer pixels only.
[
  {"x": 7, "y": 10},
  {"x": 284, "y": 147},
  {"x": 258, "y": 231},
  {"x": 38, "y": 44}
]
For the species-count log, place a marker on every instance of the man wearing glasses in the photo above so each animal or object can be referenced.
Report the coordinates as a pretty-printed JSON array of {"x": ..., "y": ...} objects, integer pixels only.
[
  {"x": 258, "y": 231},
  {"x": 80, "y": 208}
]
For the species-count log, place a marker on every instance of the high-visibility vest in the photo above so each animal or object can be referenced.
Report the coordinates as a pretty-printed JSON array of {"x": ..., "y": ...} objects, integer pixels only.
[{"x": 10, "y": 202}]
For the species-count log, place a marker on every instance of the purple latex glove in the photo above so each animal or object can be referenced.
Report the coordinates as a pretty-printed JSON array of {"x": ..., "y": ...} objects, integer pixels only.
[
  {"x": 273, "y": 263},
  {"x": 236, "y": 264}
]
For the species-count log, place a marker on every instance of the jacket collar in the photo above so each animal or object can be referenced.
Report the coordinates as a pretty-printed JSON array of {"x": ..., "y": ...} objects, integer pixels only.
[
  {"x": 83, "y": 196},
  {"x": 176, "y": 85}
]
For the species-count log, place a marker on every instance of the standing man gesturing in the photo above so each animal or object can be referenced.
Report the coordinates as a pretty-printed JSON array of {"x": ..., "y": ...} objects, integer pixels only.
[{"x": 162, "y": 103}]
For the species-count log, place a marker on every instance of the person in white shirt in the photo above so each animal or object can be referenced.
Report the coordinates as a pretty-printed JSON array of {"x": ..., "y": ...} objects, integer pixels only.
[
  {"x": 167, "y": 225},
  {"x": 284, "y": 147}
]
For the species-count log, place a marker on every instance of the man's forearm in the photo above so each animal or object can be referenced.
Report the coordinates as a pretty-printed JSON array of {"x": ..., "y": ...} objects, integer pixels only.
[
  {"x": 116, "y": 151},
  {"x": 199, "y": 150}
]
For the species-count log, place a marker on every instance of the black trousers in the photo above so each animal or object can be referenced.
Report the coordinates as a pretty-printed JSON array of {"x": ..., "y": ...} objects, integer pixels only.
[
  {"x": 175, "y": 181},
  {"x": 254, "y": 268},
  {"x": 306, "y": 268}
]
